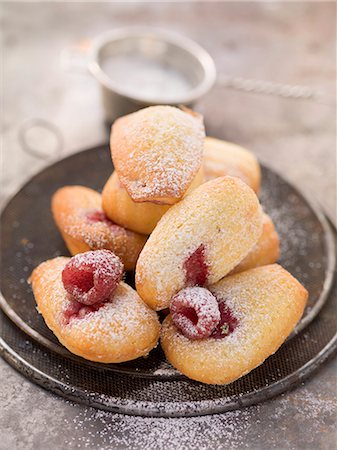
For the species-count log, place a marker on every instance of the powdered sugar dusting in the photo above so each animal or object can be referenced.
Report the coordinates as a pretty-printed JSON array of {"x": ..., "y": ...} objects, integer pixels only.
[
  {"x": 157, "y": 152},
  {"x": 119, "y": 326},
  {"x": 252, "y": 427},
  {"x": 93, "y": 276},
  {"x": 79, "y": 216},
  {"x": 195, "y": 312},
  {"x": 104, "y": 261},
  {"x": 223, "y": 216},
  {"x": 115, "y": 431},
  {"x": 103, "y": 234},
  {"x": 267, "y": 303},
  {"x": 312, "y": 405},
  {"x": 165, "y": 369}
]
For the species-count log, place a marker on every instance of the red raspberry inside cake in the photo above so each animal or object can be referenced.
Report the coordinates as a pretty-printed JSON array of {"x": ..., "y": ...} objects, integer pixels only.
[
  {"x": 195, "y": 312},
  {"x": 196, "y": 268},
  {"x": 98, "y": 216},
  {"x": 228, "y": 322},
  {"x": 92, "y": 277},
  {"x": 78, "y": 311}
]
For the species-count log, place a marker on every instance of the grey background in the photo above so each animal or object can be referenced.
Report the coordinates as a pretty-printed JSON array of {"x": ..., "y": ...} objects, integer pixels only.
[{"x": 282, "y": 42}]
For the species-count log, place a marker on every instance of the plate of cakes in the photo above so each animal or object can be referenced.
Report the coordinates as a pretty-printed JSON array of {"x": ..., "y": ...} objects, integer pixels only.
[{"x": 166, "y": 253}]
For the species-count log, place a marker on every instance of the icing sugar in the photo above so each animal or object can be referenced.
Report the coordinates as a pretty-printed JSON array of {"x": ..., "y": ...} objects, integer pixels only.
[
  {"x": 157, "y": 152},
  {"x": 195, "y": 312}
]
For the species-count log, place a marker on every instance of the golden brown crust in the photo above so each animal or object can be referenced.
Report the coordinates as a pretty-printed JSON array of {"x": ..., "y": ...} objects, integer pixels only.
[
  {"x": 267, "y": 301},
  {"x": 120, "y": 208},
  {"x": 122, "y": 330},
  {"x": 225, "y": 158},
  {"x": 265, "y": 251},
  {"x": 141, "y": 217},
  {"x": 222, "y": 215},
  {"x": 69, "y": 206},
  {"x": 157, "y": 153}
]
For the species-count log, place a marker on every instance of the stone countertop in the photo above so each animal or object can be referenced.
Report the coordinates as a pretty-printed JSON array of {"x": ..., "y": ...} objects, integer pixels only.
[{"x": 288, "y": 43}]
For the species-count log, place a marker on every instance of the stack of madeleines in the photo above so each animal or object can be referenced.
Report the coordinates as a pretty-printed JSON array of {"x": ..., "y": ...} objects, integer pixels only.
[{"x": 181, "y": 211}]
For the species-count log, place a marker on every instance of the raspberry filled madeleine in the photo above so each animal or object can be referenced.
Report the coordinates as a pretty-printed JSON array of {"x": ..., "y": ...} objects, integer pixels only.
[
  {"x": 225, "y": 158},
  {"x": 199, "y": 240},
  {"x": 157, "y": 152},
  {"x": 265, "y": 251},
  {"x": 91, "y": 311},
  {"x": 141, "y": 217},
  {"x": 258, "y": 310},
  {"x": 78, "y": 214}
]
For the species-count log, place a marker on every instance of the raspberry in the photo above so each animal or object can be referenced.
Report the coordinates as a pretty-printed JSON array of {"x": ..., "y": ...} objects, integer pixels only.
[
  {"x": 98, "y": 216},
  {"x": 92, "y": 277},
  {"x": 196, "y": 268},
  {"x": 228, "y": 322},
  {"x": 195, "y": 312},
  {"x": 79, "y": 311},
  {"x": 83, "y": 312}
]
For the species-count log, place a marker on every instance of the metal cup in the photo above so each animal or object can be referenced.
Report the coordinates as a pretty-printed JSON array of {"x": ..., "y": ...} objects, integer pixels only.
[{"x": 174, "y": 52}]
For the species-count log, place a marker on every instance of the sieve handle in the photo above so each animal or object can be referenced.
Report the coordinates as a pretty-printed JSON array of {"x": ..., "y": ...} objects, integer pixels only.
[
  {"x": 37, "y": 123},
  {"x": 271, "y": 88}
]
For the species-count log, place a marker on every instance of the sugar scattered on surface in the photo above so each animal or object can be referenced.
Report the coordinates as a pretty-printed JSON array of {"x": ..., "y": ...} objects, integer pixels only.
[
  {"x": 312, "y": 406},
  {"x": 280, "y": 423},
  {"x": 116, "y": 431},
  {"x": 146, "y": 77},
  {"x": 301, "y": 236},
  {"x": 165, "y": 368}
]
